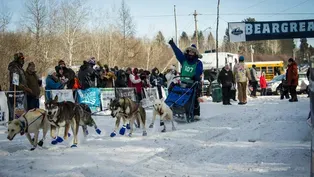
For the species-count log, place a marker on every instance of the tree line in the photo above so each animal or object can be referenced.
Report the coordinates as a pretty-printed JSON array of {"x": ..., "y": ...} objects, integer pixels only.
[{"x": 52, "y": 30}]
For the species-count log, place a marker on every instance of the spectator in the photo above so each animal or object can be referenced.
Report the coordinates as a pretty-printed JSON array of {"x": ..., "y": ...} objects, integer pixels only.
[
  {"x": 292, "y": 76},
  {"x": 136, "y": 82},
  {"x": 101, "y": 82},
  {"x": 226, "y": 79},
  {"x": 16, "y": 66},
  {"x": 156, "y": 81},
  {"x": 122, "y": 79},
  {"x": 242, "y": 75},
  {"x": 87, "y": 75},
  {"x": 52, "y": 83},
  {"x": 129, "y": 73},
  {"x": 34, "y": 84},
  {"x": 170, "y": 76},
  {"x": 253, "y": 81},
  {"x": 110, "y": 79},
  {"x": 68, "y": 74},
  {"x": 263, "y": 84}
]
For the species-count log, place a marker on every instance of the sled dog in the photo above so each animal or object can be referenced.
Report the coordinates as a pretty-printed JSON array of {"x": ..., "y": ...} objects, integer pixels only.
[
  {"x": 66, "y": 114},
  {"x": 30, "y": 122},
  {"x": 85, "y": 114},
  {"x": 127, "y": 110},
  {"x": 164, "y": 112}
]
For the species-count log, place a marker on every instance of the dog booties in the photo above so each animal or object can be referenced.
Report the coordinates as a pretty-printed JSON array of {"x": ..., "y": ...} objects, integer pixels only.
[
  {"x": 98, "y": 131},
  {"x": 122, "y": 130},
  {"x": 113, "y": 134},
  {"x": 57, "y": 140}
]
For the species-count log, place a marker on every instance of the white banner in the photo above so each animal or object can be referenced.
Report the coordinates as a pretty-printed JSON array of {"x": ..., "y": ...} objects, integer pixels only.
[
  {"x": 16, "y": 79},
  {"x": 149, "y": 95},
  {"x": 237, "y": 32},
  {"x": 4, "y": 109},
  {"x": 63, "y": 95},
  {"x": 105, "y": 95}
]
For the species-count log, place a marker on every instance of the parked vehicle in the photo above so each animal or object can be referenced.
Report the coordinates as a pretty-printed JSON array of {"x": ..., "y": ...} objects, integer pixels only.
[
  {"x": 274, "y": 85},
  {"x": 271, "y": 68}
]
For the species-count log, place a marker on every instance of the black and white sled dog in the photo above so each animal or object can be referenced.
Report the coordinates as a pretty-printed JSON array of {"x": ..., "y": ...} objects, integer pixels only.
[
  {"x": 129, "y": 111},
  {"x": 66, "y": 114},
  {"x": 164, "y": 112},
  {"x": 30, "y": 122}
]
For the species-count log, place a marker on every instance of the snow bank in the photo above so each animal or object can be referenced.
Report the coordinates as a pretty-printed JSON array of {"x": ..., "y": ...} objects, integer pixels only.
[{"x": 267, "y": 137}]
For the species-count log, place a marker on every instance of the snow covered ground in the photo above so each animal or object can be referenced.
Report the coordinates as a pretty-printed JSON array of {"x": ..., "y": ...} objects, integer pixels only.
[{"x": 266, "y": 137}]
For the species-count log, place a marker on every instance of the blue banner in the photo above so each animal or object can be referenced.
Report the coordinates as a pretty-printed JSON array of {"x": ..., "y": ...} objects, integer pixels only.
[
  {"x": 91, "y": 97},
  {"x": 269, "y": 30}
]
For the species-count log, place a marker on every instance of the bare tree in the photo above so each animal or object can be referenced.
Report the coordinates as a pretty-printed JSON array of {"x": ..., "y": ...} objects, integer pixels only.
[
  {"x": 126, "y": 26},
  {"x": 5, "y": 17},
  {"x": 73, "y": 15},
  {"x": 35, "y": 20}
]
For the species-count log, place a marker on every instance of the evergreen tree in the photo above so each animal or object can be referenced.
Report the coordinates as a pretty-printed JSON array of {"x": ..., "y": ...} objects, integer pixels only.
[
  {"x": 304, "y": 48},
  {"x": 184, "y": 40},
  {"x": 211, "y": 40}
]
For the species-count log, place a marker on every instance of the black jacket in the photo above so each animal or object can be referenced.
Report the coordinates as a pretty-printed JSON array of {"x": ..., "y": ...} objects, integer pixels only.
[
  {"x": 226, "y": 78},
  {"x": 155, "y": 79},
  {"x": 122, "y": 79},
  {"x": 87, "y": 76}
]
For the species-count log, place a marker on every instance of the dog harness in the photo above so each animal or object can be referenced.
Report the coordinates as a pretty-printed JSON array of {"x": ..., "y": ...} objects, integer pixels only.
[
  {"x": 124, "y": 107},
  {"x": 24, "y": 125}
]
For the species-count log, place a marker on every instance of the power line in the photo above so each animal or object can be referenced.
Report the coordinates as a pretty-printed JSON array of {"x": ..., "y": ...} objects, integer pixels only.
[
  {"x": 254, "y": 4},
  {"x": 293, "y": 6},
  {"x": 233, "y": 14}
]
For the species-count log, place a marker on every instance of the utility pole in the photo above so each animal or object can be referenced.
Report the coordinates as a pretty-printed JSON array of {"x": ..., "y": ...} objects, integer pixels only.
[
  {"x": 196, "y": 32},
  {"x": 176, "y": 32},
  {"x": 217, "y": 35},
  {"x": 252, "y": 53}
]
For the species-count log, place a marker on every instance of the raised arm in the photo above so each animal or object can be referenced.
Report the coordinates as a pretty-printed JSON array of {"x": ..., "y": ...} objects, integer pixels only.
[{"x": 178, "y": 53}]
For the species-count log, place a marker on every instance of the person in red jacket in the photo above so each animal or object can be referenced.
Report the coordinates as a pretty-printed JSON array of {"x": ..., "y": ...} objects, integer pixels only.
[
  {"x": 136, "y": 83},
  {"x": 292, "y": 76},
  {"x": 262, "y": 82}
]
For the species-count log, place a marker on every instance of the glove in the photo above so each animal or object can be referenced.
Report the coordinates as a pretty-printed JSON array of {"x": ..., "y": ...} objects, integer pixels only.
[{"x": 171, "y": 41}]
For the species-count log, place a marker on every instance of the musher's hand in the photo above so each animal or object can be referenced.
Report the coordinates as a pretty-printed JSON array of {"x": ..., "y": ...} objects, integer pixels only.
[{"x": 171, "y": 41}]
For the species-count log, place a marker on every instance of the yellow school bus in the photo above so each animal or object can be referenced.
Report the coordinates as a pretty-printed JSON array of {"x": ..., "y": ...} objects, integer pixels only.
[{"x": 271, "y": 68}]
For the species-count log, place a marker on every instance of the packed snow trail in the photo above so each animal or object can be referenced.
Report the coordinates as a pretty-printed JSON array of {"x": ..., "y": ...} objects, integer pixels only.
[{"x": 267, "y": 137}]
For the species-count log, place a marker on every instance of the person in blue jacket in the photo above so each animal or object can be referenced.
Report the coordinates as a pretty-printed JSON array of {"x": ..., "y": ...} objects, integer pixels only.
[
  {"x": 191, "y": 68},
  {"x": 52, "y": 83}
]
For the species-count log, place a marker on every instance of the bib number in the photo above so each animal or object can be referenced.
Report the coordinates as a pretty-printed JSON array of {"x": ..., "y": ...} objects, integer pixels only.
[{"x": 188, "y": 69}]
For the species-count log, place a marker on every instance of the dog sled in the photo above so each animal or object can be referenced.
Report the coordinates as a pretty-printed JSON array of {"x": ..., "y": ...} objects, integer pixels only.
[{"x": 181, "y": 100}]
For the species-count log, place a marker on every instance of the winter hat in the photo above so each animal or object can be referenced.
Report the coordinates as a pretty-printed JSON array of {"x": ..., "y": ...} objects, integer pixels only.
[
  {"x": 61, "y": 62},
  {"x": 290, "y": 60},
  {"x": 50, "y": 71},
  {"x": 31, "y": 64},
  {"x": 193, "y": 49},
  {"x": 135, "y": 71},
  {"x": 92, "y": 61},
  {"x": 241, "y": 58},
  {"x": 18, "y": 55}
]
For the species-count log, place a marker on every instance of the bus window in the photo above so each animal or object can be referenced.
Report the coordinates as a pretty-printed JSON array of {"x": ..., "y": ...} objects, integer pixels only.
[
  {"x": 277, "y": 71},
  {"x": 270, "y": 70},
  {"x": 264, "y": 69},
  {"x": 258, "y": 69}
]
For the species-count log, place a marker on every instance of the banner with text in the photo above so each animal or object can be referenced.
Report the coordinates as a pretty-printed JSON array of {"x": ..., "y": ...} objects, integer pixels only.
[
  {"x": 105, "y": 95},
  {"x": 63, "y": 95},
  {"x": 126, "y": 92},
  {"x": 267, "y": 30},
  {"x": 91, "y": 97}
]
